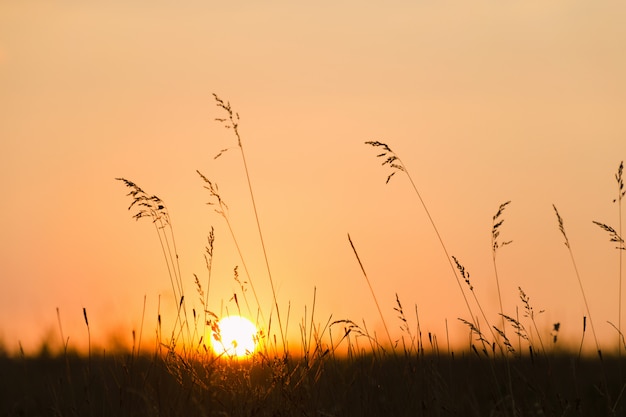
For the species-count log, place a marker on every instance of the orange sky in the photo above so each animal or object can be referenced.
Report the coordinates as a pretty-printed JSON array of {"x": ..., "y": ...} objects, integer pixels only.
[{"x": 484, "y": 101}]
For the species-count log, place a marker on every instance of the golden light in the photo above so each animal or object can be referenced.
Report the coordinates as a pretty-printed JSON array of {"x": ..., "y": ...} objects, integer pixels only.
[{"x": 234, "y": 336}]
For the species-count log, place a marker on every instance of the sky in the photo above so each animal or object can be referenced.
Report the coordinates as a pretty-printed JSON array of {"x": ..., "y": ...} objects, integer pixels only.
[{"x": 484, "y": 102}]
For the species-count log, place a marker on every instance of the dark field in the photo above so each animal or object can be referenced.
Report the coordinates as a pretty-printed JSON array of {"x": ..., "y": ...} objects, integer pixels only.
[{"x": 465, "y": 385}]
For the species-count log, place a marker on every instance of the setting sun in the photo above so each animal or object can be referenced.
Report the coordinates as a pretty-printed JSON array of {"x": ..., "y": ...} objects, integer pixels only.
[{"x": 234, "y": 336}]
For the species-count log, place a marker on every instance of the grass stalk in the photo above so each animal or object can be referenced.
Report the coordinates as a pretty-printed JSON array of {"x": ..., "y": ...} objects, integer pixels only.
[
  {"x": 151, "y": 206},
  {"x": 530, "y": 313},
  {"x": 369, "y": 284},
  {"x": 208, "y": 260},
  {"x": 620, "y": 195},
  {"x": 580, "y": 283},
  {"x": 616, "y": 237},
  {"x": 88, "y": 339},
  {"x": 396, "y": 164},
  {"x": 232, "y": 122},
  {"x": 466, "y": 276},
  {"x": 495, "y": 245},
  {"x": 143, "y": 315},
  {"x": 222, "y": 209}
]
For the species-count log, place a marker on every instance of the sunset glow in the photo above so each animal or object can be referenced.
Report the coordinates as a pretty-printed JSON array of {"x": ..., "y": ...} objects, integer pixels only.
[{"x": 235, "y": 336}]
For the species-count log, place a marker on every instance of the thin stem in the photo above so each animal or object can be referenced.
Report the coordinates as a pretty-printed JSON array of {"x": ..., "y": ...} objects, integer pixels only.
[
  {"x": 580, "y": 283},
  {"x": 466, "y": 277},
  {"x": 222, "y": 210},
  {"x": 233, "y": 118},
  {"x": 258, "y": 224},
  {"x": 208, "y": 258},
  {"x": 396, "y": 163},
  {"x": 620, "y": 195},
  {"x": 495, "y": 245},
  {"x": 373, "y": 293},
  {"x": 154, "y": 207},
  {"x": 245, "y": 265}
]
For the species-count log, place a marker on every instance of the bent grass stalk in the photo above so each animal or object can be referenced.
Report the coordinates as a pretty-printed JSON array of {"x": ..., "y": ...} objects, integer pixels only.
[
  {"x": 151, "y": 206},
  {"x": 396, "y": 164}
]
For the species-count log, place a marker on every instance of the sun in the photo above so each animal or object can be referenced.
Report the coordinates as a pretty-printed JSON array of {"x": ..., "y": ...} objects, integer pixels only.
[{"x": 234, "y": 336}]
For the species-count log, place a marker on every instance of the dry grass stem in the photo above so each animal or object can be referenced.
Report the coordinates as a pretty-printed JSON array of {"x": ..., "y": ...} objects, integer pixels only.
[
  {"x": 495, "y": 245},
  {"x": 232, "y": 122},
  {"x": 580, "y": 283},
  {"x": 393, "y": 161},
  {"x": 382, "y": 318},
  {"x": 222, "y": 209},
  {"x": 151, "y": 206}
]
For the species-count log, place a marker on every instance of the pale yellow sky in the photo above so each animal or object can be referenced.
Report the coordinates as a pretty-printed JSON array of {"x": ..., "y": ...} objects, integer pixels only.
[{"x": 485, "y": 101}]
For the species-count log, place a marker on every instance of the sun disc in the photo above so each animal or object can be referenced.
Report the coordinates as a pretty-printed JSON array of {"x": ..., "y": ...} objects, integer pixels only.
[{"x": 234, "y": 336}]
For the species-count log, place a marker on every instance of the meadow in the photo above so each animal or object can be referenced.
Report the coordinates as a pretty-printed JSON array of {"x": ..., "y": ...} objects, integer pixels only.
[{"x": 340, "y": 368}]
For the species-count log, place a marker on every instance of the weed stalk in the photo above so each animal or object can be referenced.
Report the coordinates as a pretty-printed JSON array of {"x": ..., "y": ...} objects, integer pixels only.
[
  {"x": 232, "y": 122},
  {"x": 396, "y": 164},
  {"x": 391, "y": 345},
  {"x": 580, "y": 283}
]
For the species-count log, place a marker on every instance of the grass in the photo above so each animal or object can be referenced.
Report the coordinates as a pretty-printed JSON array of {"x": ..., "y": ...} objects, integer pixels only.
[
  {"x": 365, "y": 385},
  {"x": 341, "y": 369}
]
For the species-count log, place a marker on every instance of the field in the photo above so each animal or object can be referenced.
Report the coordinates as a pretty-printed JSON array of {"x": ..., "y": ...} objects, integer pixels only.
[
  {"x": 364, "y": 385},
  {"x": 506, "y": 368}
]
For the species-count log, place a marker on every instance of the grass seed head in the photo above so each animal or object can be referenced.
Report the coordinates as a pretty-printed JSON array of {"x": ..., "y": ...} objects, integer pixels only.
[{"x": 389, "y": 158}]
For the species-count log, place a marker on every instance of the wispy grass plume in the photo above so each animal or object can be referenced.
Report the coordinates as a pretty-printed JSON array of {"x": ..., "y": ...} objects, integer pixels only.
[
  {"x": 152, "y": 207},
  {"x": 495, "y": 245}
]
